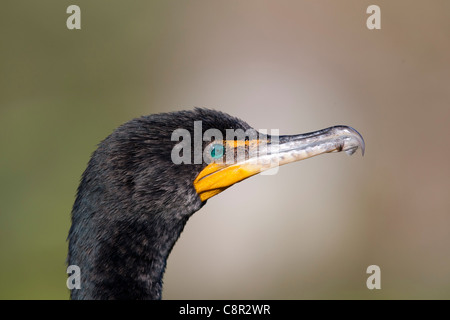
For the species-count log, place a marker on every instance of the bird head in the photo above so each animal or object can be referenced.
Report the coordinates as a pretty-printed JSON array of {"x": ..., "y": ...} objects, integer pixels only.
[
  {"x": 152, "y": 173},
  {"x": 203, "y": 152}
]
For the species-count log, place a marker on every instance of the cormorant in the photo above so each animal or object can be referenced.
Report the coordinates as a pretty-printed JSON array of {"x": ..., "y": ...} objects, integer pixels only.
[{"x": 134, "y": 200}]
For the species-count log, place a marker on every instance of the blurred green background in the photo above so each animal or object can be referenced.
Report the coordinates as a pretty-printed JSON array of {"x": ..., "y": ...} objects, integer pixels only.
[{"x": 308, "y": 232}]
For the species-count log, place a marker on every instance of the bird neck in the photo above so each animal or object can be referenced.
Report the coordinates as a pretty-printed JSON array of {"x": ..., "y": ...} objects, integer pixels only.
[
  {"x": 130, "y": 259},
  {"x": 134, "y": 259}
]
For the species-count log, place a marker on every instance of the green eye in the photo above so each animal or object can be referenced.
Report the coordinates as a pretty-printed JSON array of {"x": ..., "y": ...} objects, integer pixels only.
[{"x": 217, "y": 151}]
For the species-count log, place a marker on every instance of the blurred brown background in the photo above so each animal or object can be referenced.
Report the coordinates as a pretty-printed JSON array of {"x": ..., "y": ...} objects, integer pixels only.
[{"x": 308, "y": 232}]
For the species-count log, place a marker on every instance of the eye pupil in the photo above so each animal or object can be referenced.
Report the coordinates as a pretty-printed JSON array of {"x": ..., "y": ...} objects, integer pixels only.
[{"x": 217, "y": 151}]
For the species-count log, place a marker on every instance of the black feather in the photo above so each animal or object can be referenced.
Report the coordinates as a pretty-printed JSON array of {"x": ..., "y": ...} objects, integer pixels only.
[{"x": 132, "y": 204}]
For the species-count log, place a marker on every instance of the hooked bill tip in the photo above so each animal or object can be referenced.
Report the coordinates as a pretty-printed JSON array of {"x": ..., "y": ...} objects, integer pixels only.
[{"x": 360, "y": 142}]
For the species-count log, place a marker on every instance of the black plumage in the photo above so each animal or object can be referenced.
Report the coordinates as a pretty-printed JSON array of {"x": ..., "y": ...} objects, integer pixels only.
[
  {"x": 134, "y": 201},
  {"x": 128, "y": 214}
]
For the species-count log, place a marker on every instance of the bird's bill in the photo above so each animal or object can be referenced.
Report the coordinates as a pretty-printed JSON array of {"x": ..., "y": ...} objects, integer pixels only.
[{"x": 276, "y": 151}]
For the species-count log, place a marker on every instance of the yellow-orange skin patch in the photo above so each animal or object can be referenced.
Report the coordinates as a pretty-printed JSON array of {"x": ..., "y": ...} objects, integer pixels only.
[{"x": 216, "y": 177}]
